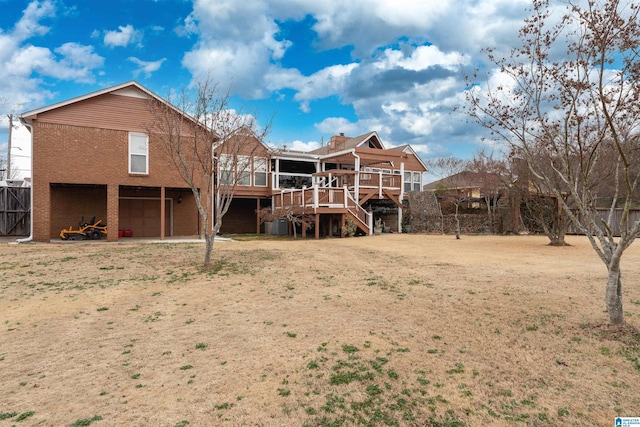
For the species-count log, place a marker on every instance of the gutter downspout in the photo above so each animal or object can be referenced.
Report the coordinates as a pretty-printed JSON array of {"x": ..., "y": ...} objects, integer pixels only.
[{"x": 30, "y": 238}]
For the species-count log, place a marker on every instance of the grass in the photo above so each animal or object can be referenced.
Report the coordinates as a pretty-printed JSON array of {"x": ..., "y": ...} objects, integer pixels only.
[
  {"x": 390, "y": 330},
  {"x": 85, "y": 421}
]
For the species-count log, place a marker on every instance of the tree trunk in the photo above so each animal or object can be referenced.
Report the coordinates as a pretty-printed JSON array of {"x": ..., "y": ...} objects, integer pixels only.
[
  {"x": 209, "y": 239},
  {"x": 457, "y": 224},
  {"x": 614, "y": 293}
]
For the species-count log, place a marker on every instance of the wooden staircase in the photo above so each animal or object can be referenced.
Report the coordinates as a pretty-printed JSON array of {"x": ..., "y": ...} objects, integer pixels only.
[{"x": 319, "y": 200}]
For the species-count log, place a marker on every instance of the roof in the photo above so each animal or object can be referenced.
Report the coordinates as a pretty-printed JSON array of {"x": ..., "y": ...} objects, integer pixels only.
[
  {"x": 465, "y": 179},
  {"x": 350, "y": 143},
  {"x": 117, "y": 88},
  {"x": 130, "y": 88}
]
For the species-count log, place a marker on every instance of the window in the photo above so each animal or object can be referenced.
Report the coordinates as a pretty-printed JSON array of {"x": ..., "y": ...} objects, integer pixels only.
[
  {"x": 138, "y": 153},
  {"x": 244, "y": 170},
  {"x": 416, "y": 181},
  {"x": 407, "y": 181},
  {"x": 225, "y": 169},
  {"x": 260, "y": 171}
]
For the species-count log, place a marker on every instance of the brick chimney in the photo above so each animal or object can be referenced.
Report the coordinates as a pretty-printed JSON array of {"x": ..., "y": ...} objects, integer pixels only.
[{"x": 337, "y": 142}]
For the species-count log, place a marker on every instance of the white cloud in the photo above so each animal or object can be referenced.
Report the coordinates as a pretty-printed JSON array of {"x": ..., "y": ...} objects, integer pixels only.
[
  {"x": 29, "y": 25},
  {"x": 298, "y": 145},
  {"x": 407, "y": 63},
  {"x": 123, "y": 36},
  {"x": 24, "y": 65},
  {"x": 237, "y": 36},
  {"x": 146, "y": 67}
]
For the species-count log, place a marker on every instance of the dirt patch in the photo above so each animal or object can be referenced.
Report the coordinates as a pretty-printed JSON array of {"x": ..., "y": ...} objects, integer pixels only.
[{"x": 384, "y": 330}]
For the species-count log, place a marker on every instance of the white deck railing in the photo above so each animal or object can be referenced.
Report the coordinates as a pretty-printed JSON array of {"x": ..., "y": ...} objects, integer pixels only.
[{"x": 323, "y": 197}]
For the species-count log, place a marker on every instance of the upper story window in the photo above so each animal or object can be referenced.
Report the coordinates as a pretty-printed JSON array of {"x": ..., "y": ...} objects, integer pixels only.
[
  {"x": 226, "y": 173},
  {"x": 412, "y": 181},
  {"x": 416, "y": 181},
  {"x": 244, "y": 170},
  {"x": 138, "y": 153},
  {"x": 238, "y": 170},
  {"x": 260, "y": 171}
]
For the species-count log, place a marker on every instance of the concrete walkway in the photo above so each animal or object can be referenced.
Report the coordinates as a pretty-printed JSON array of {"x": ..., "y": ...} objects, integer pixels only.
[{"x": 188, "y": 239}]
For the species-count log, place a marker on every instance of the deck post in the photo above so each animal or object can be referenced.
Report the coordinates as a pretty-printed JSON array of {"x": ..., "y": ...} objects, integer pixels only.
[
  {"x": 162, "y": 211},
  {"x": 399, "y": 219},
  {"x": 317, "y": 219},
  {"x": 302, "y": 202},
  {"x": 257, "y": 216},
  {"x": 316, "y": 197},
  {"x": 356, "y": 179},
  {"x": 380, "y": 185},
  {"x": 345, "y": 189},
  {"x": 401, "y": 181},
  {"x": 370, "y": 222}
]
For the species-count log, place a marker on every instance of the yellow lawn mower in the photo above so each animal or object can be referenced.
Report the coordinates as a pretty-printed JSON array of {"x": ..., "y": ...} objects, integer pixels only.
[{"x": 92, "y": 230}]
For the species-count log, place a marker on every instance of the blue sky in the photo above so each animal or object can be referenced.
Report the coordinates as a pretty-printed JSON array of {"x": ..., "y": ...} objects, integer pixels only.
[{"x": 318, "y": 67}]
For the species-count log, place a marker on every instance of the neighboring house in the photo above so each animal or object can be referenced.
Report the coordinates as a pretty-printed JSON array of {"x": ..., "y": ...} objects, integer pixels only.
[
  {"x": 472, "y": 188},
  {"x": 20, "y": 152},
  {"x": 93, "y": 157}
]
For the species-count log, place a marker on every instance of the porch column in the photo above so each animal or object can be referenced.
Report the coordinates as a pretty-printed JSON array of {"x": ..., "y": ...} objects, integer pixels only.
[
  {"x": 356, "y": 180},
  {"x": 276, "y": 176},
  {"x": 162, "y": 212},
  {"x": 113, "y": 206},
  {"x": 399, "y": 219},
  {"x": 257, "y": 216},
  {"x": 401, "y": 181}
]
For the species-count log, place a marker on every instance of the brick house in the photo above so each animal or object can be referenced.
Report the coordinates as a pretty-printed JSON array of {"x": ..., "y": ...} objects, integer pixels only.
[{"x": 92, "y": 156}]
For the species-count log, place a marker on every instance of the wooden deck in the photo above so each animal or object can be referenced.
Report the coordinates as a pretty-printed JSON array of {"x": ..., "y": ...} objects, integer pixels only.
[
  {"x": 342, "y": 192},
  {"x": 321, "y": 200}
]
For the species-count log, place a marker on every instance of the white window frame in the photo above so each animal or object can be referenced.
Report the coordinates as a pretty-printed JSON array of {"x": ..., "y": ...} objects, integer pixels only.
[
  {"x": 260, "y": 169},
  {"x": 136, "y": 148},
  {"x": 417, "y": 181},
  {"x": 243, "y": 165},
  {"x": 226, "y": 174},
  {"x": 408, "y": 183}
]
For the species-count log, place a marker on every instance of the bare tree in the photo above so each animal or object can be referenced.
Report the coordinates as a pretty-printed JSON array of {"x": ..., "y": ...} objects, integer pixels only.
[
  {"x": 538, "y": 204},
  {"x": 211, "y": 147},
  {"x": 453, "y": 187},
  {"x": 568, "y": 101},
  {"x": 489, "y": 170}
]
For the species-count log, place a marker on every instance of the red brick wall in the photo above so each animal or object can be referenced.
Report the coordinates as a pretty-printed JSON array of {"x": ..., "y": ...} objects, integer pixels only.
[{"x": 79, "y": 155}]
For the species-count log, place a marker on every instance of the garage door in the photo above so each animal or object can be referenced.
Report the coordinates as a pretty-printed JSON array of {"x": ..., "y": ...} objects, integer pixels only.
[{"x": 143, "y": 216}]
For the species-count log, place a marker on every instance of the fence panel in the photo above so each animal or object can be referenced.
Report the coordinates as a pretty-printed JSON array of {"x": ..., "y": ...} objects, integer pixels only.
[
  {"x": 15, "y": 212},
  {"x": 634, "y": 215}
]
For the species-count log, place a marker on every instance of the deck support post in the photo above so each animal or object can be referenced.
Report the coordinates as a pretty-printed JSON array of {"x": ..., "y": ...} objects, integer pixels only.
[
  {"x": 317, "y": 219},
  {"x": 162, "y": 211},
  {"x": 399, "y": 220}
]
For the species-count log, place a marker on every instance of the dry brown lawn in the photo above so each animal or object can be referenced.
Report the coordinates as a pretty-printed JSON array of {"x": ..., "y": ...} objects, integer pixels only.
[{"x": 387, "y": 330}]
